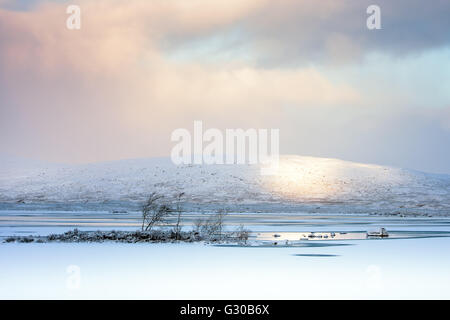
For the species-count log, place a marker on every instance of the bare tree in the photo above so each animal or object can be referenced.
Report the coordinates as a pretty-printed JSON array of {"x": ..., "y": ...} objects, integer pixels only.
[
  {"x": 218, "y": 221},
  {"x": 153, "y": 211},
  {"x": 178, "y": 226},
  {"x": 198, "y": 223},
  {"x": 242, "y": 234},
  {"x": 220, "y": 216},
  {"x": 213, "y": 226}
]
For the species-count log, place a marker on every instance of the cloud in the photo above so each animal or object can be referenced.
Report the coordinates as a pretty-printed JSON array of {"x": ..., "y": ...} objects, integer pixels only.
[
  {"x": 338, "y": 30},
  {"x": 139, "y": 69},
  {"x": 444, "y": 115},
  {"x": 302, "y": 31},
  {"x": 109, "y": 91}
]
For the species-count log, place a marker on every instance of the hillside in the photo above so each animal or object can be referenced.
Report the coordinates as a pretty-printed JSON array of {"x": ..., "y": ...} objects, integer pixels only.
[{"x": 300, "y": 180}]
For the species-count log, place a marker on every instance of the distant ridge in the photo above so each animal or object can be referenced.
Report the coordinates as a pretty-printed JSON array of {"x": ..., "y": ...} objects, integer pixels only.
[{"x": 300, "y": 180}]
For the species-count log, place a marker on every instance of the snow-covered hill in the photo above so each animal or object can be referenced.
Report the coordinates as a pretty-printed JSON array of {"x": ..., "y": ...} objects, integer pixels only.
[{"x": 300, "y": 180}]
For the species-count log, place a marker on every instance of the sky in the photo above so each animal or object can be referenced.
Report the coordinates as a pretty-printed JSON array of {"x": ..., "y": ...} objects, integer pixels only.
[{"x": 139, "y": 69}]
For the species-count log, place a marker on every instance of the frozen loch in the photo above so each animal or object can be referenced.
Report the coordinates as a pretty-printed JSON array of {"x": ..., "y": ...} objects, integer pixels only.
[
  {"x": 309, "y": 232},
  {"x": 411, "y": 263}
]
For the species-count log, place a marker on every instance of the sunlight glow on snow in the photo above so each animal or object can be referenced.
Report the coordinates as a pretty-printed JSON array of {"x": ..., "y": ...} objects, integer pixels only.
[{"x": 307, "y": 178}]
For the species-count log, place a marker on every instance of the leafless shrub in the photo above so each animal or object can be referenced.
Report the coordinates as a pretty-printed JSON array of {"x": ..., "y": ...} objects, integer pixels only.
[
  {"x": 208, "y": 228},
  {"x": 198, "y": 224},
  {"x": 178, "y": 226},
  {"x": 154, "y": 212},
  {"x": 241, "y": 233},
  {"x": 212, "y": 228}
]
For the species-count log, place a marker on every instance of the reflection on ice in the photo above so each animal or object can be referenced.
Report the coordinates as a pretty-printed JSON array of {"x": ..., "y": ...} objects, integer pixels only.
[
  {"x": 315, "y": 255},
  {"x": 313, "y": 236},
  {"x": 343, "y": 264},
  {"x": 296, "y": 237},
  {"x": 266, "y": 244}
]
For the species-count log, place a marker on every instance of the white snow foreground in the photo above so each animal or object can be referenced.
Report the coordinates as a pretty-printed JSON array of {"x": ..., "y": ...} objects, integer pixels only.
[{"x": 317, "y": 182}]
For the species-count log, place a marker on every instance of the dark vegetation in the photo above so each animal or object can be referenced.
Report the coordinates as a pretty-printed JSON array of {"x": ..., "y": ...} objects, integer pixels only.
[{"x": 155, "y": 227}]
